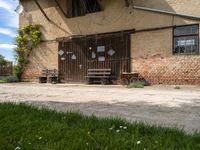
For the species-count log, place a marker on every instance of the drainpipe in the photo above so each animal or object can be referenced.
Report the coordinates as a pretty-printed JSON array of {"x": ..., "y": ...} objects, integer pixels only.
[
  {"x": 45, "y": 15},
  {"x": 57, "y": 3},
  {"x": 167, "y": 12}
]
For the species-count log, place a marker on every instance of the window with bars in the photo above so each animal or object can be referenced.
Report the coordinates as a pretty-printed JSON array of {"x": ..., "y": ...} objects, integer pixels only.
[{"x": 186, "y": 39}]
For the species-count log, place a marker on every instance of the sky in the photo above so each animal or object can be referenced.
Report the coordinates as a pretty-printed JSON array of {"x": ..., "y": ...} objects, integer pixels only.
[{"x": 8, "y": 28}]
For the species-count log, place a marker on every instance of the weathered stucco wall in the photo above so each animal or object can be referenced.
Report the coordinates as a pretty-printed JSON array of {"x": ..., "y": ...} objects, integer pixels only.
[
  {"x": 151, "y": 44},
  {"x": 146, "y": 47},
  {"x": 115, "y": 17},
  {"x": 43, "y": 57}
]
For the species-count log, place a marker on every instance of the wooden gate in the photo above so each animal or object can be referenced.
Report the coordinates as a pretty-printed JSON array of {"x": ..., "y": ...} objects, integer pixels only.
[{"x": 94, "y": 52}]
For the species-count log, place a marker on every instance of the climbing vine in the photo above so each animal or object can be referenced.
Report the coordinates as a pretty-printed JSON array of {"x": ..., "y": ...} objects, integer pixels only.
[{"x": 28, "y": 38}]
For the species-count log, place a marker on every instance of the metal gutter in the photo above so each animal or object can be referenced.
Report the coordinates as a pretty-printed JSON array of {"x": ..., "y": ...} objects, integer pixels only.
[{"x": 167, "y": 12}]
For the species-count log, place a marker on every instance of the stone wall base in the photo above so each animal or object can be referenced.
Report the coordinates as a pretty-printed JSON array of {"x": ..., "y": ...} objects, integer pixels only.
[{"x": 175, "y": 70}]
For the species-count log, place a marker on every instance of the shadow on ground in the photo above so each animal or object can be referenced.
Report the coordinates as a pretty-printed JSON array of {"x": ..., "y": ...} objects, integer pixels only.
[{"x": 185, "y": 117}]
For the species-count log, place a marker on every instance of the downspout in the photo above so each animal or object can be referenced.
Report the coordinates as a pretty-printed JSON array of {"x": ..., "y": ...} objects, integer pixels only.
[
  {"x": 167, "y": 12},
  {"x": 45, "y": 15}
]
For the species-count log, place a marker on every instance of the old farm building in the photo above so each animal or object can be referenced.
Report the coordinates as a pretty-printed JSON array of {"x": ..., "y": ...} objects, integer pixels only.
[{"x": 159, "y": 39}]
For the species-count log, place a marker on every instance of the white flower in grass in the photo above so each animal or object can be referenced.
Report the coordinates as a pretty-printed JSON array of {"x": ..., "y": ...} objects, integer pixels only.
[
  {"x": 117, "y": 131},
  {"x": 17, "y": 148},
  {"x": 120, "y": 127},
  {"x": 124, "y": 127},
  {"x": 145, "y": 149},
  {"x": 138, "y": 142},
  {"x": 111, "y": 128},
  {"x": 40, "y": 138},
  {"x": 87, "y": 144}
]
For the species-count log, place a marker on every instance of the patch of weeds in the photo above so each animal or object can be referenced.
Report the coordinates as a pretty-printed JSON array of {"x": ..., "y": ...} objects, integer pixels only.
[
  {"x": 26, "y": 80},
  {"x": 177, "y": 87},
  {"x": 2, "y": 81},
  {"x": 9, "y": 79},
  {"x": 137, "y": 84}
]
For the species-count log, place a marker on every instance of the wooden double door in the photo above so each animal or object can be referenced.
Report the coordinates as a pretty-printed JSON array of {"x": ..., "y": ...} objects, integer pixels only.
[{"x": 95, "y": 52}]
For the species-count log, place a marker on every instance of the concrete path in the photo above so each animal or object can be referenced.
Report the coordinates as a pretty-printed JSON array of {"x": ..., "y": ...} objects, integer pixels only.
[{"x": 161, "y": 105}]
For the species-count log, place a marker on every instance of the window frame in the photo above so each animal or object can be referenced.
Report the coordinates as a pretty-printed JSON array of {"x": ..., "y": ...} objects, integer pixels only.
[{"x": 187, "y": 35}]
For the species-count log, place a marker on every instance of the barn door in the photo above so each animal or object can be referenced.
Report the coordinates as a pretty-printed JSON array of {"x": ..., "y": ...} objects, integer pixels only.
[
  {"x": 72, "y": 61},
  {"x": 109, "y": 51}
]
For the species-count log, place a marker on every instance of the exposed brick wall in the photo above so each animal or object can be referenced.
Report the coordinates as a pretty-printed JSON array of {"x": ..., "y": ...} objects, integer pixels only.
[
  {"x": 31, "y": 76},
  {"x": 153, "y": 59},
  {"x": 175, "y": 70}
]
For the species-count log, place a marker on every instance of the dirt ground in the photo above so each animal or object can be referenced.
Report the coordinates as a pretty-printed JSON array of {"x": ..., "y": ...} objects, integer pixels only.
[{"x": 162, "y": 105}]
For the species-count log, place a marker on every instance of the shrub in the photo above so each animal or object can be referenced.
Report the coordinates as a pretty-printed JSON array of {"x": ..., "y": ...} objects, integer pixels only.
[
  {"x": 2, "y": 81},
  {"x": 17, "y": 71},
  {"x": 177, "y": 87},
  {"x": 10, "y": 79},
  {"x": 28, "y": 38},
  {"x": 138, "y": 84}
]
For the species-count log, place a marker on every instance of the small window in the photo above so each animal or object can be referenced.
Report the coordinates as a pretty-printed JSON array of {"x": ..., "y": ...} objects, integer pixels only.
[
  {"x": 186, "y": 40},
  {"x": 77, "y": 8}
]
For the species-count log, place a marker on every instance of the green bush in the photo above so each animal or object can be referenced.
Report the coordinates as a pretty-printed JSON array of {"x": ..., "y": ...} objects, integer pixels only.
[
  {"x": 17, "y": 71},
  {"x": 177, "y": 87},
  {"x": 138, "y": 84},
  {"x": 9, "y": 79},
  {"x": 28, "y": 38},
  {"x": 2, "y": 81}
]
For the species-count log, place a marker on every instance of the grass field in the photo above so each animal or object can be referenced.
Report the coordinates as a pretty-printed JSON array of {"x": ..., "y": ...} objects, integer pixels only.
[{"x": 27, "y": 128}]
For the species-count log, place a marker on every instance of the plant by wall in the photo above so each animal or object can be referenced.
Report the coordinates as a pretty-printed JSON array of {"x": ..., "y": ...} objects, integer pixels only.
[{"x": 28, "y": 38}]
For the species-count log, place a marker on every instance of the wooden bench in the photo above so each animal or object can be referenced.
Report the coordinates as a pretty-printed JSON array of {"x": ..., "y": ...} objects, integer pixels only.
[
  {"x": 49, "y": 76},
  {"x": 98, "y": 76}
]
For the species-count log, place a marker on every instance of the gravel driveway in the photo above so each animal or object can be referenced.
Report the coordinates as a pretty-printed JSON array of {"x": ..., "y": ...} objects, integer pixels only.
[{"x": 161, "y": 105}]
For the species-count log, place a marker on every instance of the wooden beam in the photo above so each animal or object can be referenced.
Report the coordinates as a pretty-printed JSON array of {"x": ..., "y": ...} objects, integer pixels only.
[{"x": 68, "y": 38}]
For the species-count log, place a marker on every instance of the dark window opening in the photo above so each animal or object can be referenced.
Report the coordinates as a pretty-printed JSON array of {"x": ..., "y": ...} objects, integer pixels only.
[
  {"x": 186, "y": 39},
  {"x": 77, "y": 8},
  {"x": 92, "y": 6}
]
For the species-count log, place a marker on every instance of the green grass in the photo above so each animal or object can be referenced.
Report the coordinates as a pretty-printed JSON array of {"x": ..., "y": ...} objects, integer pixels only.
[
  {"x": 2, "y": 81},
  {"x": 177, "y": 87},
  {"x": 27, "y": 128},
  {"x": 137, "y": 84},
  {"x": 9, "y": 79}
]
